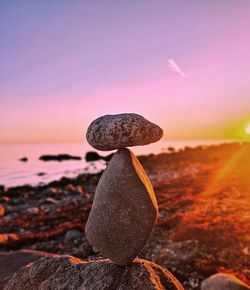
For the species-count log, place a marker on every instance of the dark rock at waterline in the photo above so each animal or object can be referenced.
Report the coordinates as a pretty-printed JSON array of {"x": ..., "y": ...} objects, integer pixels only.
[
  {"x": 111, "y": 132},
  {"x": 12, "y": 262},
  {"x": 41, "y": 174},
  {"x": 171, "y": 149},
  {"x": 59, "y": 157},
  {"x": 124, "y": 209},
  {"x": 223, "y": 281},
  {"x": 67, "y": 272},
  {"x": 94, "y": 156},
  {"x": 23, "y": 159}
]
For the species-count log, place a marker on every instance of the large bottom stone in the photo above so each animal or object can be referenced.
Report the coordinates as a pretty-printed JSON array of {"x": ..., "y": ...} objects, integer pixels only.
[
  {"x": 124, "y": 209},
  {"x": 67, "y": 272}
]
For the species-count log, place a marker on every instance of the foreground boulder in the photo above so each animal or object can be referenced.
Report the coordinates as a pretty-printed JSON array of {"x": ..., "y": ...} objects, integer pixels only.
[
  {"x": 67, "y": 272},
  {"x": 111, "y": 132},
  {"x": 124, "y": 209},
  {"x": 223, "y": 281},
  {"x": 13, "y": 261}
]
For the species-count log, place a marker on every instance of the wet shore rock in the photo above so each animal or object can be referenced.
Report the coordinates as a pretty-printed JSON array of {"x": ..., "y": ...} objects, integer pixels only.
[
  {"x": 23, "y": 159},
  {"x": 59, "y": 157},
  {"x": 94, "y": 156}
]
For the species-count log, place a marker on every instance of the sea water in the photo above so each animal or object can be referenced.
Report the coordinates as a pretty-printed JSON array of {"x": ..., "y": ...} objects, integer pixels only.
[{"x": 14, "y": 172}]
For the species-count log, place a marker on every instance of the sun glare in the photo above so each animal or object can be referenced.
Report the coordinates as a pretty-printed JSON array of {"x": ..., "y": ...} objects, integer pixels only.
[{"x": 248, "y": 129}]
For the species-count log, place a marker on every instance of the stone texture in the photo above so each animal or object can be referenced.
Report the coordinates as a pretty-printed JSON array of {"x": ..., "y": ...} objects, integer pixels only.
[
  {"x": 111, "y": 132},
  {"x": 69, "y": 273},
  {"x": 177, "y": 253},
  {"x": 222, "y": 281},
  {"x": 13, "y": 261},
  {"x": 72, "y": 235},
  {"x": 124, "y": 210}
]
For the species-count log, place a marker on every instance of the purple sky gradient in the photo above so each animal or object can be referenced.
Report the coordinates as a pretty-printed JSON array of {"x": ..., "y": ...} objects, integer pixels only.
[{"x": 64, "y": 63}]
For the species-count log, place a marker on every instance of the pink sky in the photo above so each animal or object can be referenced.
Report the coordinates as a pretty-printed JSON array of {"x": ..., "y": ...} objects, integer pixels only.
[{"x": 62, "y": 65}]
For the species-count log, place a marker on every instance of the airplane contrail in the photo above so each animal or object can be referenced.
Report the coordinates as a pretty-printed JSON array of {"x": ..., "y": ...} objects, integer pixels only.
[{"x": 174, "y": 67}]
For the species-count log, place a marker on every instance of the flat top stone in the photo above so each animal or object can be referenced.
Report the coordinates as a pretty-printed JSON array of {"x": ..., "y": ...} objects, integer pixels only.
[
  {"x": 112, "y": 132},
  {"x": 124, "y": 209}
]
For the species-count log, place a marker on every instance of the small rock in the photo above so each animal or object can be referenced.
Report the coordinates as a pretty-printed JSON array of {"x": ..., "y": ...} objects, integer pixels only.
[
  {"x": 124, "y": 210},
  {"x": 33, "y": 210},
  {"x": 72, "y": 234},
  {"x": 246, "y": 251},
  {"x": 2, "y": 210},
  {"x": 178, "y": 253},
  {"x": 51, "y": 200},
  {"x": 171, "y": 149},
  {"x": 4, "y": 199},
  {"x": 41, "y": 174},
  {"x": 83, "y": 249},
  {"x": 23, "y": 159},
  {"x": 67, "y": 272},
  {"x": 94, "y": 156},
  {"x": 223, "y": 281},
  {"x": 111, "y": 132},
  {"x": 51, "y": 191}
]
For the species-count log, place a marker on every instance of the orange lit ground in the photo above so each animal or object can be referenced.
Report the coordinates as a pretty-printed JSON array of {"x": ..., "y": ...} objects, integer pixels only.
[{"x": 204, "y": 219}]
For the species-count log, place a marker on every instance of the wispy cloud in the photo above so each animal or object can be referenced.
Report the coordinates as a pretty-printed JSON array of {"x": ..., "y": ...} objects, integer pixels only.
[{"x": 174, "y": 67}]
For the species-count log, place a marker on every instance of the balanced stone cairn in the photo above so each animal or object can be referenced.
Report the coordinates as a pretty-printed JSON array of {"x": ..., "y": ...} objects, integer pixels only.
[
  {"x": 124, "y": 209},
  {"x": 123, "y": 214}
]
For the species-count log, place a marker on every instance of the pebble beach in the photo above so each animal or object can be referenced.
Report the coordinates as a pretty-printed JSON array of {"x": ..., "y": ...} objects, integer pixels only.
[{"x": 203, "y": 225}]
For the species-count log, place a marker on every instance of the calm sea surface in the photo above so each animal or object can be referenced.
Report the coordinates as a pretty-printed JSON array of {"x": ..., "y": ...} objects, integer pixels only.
[{"x": 14, "y": 172}]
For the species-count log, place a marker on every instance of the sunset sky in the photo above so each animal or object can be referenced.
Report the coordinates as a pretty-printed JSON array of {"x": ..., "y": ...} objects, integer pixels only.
[{"x": 184, "y": 65}]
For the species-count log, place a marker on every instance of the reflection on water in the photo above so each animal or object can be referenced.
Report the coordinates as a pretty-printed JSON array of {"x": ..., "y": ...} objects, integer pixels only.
[{"x": 14, "y": 172}]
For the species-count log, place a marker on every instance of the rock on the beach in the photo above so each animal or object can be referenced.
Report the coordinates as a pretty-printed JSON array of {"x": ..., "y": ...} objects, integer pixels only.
[
  {"x": 67, "y": 272},
  {"x": 124, "y": 209},
  {"x": 12, "y": 262},
  {"x": 23, "y": 159},
  {"x": 72, "y": 234},
  {"x": 2, "y": 210},
  {"x": 111, "y": 132},
  {"x": 177, "y": 253},
  {"x": 94, "y": 156},
  {"x": 223, "y": 281},
  {"x": 59, "y": 157}
]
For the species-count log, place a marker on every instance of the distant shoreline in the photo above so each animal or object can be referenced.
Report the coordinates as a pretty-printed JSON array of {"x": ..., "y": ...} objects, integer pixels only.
[{"x": 171, "y": 151}]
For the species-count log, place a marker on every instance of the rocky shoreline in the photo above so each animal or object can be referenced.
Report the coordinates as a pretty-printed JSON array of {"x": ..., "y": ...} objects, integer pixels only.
[{"x": 203, "y": 227}]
